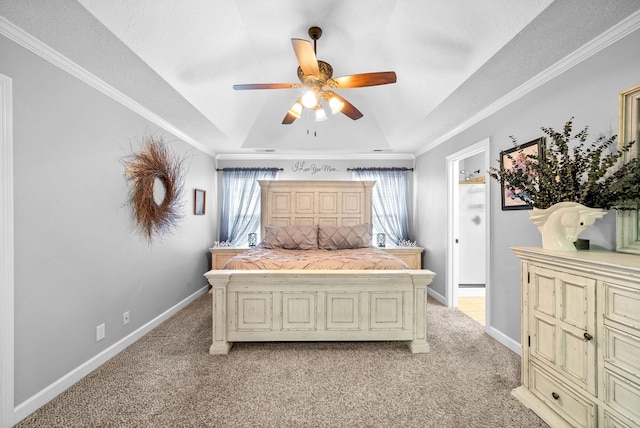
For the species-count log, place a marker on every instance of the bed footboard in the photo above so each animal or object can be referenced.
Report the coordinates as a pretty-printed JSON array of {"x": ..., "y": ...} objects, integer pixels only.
[{"x": 317, "y": 305}]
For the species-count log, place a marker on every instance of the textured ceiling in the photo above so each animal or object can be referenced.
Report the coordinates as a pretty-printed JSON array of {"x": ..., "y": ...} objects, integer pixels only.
[{"x": 181, "y": 59}]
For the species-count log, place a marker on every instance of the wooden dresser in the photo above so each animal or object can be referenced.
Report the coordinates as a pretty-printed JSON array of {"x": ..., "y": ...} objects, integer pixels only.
[
  {"x": 412, "y": 256},
  {"x": 580, "y": 337}
]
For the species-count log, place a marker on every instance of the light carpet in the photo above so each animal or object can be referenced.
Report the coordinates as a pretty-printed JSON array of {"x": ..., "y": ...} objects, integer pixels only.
[{"x": 168, "y": 379}]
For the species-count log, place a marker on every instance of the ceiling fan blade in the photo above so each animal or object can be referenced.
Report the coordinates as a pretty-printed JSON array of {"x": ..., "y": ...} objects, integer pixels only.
[
  {"x": 288, "y": 119},
  {"x": 349, "y": 109},
  {"x": 306, "y": 56},
  {"x": 365, "y": 79},
  {"x": 294, "y": 112},
  {"x": 266, "y": 86}
]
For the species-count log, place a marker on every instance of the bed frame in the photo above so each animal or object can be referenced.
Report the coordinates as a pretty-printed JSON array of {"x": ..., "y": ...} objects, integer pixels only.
[{"x": 318, "y": 305}]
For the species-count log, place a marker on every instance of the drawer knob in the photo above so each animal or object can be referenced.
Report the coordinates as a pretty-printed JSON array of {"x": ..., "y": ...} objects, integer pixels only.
[
  {"x": 587, "y": 336},
  {"x": 555, "y": 395}
]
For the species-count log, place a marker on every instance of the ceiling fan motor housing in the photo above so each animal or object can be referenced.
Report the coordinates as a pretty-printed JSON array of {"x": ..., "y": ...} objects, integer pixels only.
[{"x": 325, "y": 73}]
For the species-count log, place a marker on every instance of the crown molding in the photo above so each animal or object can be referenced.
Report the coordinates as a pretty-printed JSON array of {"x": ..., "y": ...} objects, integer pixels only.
[
  {"x": 305, "y": 156},
  {"x": 24, "y": 39},
  {"x": 607, "y": 38}
]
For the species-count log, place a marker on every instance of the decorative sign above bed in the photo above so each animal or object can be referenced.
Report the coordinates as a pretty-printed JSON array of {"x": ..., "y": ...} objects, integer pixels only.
[{"x": 301, "y": 167}]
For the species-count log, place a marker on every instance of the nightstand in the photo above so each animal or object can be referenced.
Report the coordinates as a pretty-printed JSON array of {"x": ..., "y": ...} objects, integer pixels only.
[
  {"x": 220, "y": 255},
  {"x": 412, "y": 256}
]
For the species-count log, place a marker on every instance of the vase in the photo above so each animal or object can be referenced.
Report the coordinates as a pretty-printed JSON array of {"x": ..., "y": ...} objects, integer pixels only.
[{"x": 561, "y": 224}]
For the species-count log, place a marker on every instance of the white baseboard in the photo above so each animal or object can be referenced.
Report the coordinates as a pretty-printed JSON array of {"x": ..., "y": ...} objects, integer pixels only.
[
  {"x": 41, "y": 398},
  {"x": 505, "y": 340},
  {"x": 439, "y": 297}
]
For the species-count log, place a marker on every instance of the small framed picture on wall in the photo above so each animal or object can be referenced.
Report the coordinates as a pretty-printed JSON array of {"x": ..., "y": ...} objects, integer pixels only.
[
  {"x": 199, "y": 201},
  {"x": 515, "y": 159}
]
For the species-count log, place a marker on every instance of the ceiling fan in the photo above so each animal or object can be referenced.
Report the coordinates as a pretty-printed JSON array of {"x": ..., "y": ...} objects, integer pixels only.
[{"x": 317, "y": 77}]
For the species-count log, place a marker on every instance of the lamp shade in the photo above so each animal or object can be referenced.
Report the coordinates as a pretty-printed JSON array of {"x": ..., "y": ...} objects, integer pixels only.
[
  {"x": 309, "y": 100},
  {"x": 320, "y": 115},
  {"x": 296, "y": 110},
  {"x": 336, "y": 105}
]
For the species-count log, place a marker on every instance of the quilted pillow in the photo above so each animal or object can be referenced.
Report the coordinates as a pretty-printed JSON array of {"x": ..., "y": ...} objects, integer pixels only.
[
  {"x": 344, "y": 237},
  {"x": 291, "y": 237}
]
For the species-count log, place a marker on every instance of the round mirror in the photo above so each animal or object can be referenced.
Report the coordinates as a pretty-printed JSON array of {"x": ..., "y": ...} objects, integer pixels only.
[{"x": 159, "y": 191}]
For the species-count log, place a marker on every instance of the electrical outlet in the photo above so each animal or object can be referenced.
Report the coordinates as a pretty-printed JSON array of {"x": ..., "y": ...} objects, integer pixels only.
[
  {"x": 100, "y": 332},
  {"x": 125, "y": 318}
]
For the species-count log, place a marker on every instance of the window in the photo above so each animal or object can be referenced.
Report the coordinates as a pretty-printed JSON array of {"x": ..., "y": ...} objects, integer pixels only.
[
  {"x": 241, "y": 203},
  {"x": 390, "y": 201}
]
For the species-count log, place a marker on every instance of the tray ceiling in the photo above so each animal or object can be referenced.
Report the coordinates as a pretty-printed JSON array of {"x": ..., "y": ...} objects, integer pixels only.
[{"x": 181, "y": 59}]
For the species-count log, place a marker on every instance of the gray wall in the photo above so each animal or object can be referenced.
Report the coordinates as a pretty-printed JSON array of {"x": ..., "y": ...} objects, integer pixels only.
[
  {"x": 588, "y": 91},
  {"x": 78, "y": 260}
]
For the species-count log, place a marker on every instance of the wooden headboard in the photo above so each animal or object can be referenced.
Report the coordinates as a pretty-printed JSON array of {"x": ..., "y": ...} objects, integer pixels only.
[{"x": 325, "y": 203}]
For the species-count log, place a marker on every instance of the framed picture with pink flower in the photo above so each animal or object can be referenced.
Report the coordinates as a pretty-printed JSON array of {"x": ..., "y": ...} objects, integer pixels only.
[{"x": 517, "y": 158}]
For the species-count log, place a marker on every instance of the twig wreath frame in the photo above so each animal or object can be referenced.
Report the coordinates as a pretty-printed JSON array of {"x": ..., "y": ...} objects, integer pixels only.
[{"x": 155, "y": 161}]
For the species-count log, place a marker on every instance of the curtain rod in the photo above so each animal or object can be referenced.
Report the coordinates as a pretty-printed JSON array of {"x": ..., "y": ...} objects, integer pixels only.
[
  {"x": 375, "y": 168},
  {"x": 249, "y": 169}
]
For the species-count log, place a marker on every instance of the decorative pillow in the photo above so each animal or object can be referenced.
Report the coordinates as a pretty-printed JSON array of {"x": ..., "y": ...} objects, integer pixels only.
[
  {"x": 291, "y": 237},
  {"x": 344, "y": 237}
]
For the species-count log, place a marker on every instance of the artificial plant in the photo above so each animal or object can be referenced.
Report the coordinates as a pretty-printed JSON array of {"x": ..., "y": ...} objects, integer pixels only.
[{"x": 572, "y": 170}]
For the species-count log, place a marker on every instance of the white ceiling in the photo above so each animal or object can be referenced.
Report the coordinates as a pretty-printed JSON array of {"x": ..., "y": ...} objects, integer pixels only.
[{"x": 180, "y": 59}]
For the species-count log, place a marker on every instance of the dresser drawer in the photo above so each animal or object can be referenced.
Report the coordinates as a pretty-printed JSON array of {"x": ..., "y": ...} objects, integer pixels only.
[
  {"x": 622, "y": 305},
  {"x": 220, "y": 255},
  {"x": 567, "y": 403},
  {"x": 412, "y": 256},
  {"x": 622, "y": 350},
  {"x": 622, "y": 395},
  {"x": 609, "y": 420},
  {"x": 412, "y": 260}
]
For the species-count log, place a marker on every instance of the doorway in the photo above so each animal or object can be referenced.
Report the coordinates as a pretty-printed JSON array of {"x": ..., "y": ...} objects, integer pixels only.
[{"x": 468, "y": 231}]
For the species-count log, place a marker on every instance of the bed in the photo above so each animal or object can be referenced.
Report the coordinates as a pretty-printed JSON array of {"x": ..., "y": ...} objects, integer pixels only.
[{"x": 318, "y": 304}]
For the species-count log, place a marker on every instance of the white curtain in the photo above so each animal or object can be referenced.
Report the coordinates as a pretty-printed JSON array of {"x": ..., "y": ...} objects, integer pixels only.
[
  {"x": 241, "y": 203},
  {"x": 390, "y": 201}
]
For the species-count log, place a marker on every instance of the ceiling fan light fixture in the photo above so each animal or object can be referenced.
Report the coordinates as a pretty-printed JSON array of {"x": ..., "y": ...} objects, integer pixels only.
[
  {"x": 321, "y": 116},
  {"x": 336, "y": 105},
  {"x": 310, "y": 99},
  {"x": 296, "y": 110}
]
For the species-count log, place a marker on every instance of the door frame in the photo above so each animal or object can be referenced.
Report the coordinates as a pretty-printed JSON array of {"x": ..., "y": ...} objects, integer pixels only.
[
  {"x": 6, "y": 254},
  {"x": 453, "y": 178}
]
